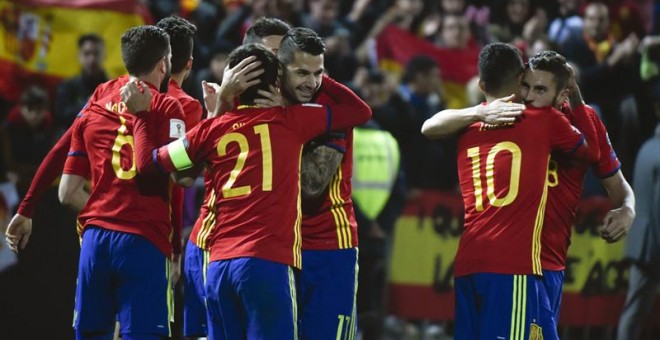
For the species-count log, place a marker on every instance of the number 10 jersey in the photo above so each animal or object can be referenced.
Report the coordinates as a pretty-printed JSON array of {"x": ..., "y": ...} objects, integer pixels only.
[{"x": 503, "y": 173}]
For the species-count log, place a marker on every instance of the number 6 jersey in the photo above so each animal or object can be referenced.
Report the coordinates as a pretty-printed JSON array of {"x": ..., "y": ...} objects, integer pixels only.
[
  {"x": 102, "y": 148},
  {"x": 502, "y": 173}
]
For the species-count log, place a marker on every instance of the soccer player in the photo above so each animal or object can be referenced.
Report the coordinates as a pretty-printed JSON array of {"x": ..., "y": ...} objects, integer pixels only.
[
  {"x": 254, "y": 157},
  {"x": 123, "y": 272},
  {"x": 545, "y": 79},
  {"x": 327, "y": 285},
  {"x": 502, "y": 173},
  {"x": 269, "y": 32}
]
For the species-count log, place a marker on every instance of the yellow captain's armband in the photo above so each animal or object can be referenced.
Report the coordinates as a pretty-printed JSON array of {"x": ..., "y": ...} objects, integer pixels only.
[{"x": 178, "y": 154}]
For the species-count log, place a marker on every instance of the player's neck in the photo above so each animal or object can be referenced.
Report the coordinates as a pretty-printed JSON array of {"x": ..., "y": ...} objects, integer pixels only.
[
  {"x": 178, "y": 77},
  {"x": 152, "y": 79}
]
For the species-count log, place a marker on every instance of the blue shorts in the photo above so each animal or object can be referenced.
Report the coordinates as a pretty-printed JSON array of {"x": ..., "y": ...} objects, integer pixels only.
[
  {"x": 194, "y": 295},
  {"x": 502, "y": 306},
  {"x": 553, "y": 280},
  {"x": 121, "y": 277},
  {"x": 327, "y": 287},
  {"x": 254, "y": 298}
]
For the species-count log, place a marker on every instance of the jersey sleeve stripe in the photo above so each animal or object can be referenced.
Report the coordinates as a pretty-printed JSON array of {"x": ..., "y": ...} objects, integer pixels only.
[
  {"x": 179, "y": 155},
  {"x": 611, "y": 173},
  {"x": 577, "y": 146},
  {"x": 328, "y": 113},
  {"x": 77, "y": 154}
]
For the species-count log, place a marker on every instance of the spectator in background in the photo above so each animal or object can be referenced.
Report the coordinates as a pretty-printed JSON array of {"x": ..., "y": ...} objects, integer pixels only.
[
  {"x": 427, "y": 164},
  {"x": 28, "y": 133},
  {"x": 323, "y": 19},
  {"x": 212, "y": 73},
  {"x": 604, "y": 61},
  {"x": 569, "y": 22},
  {"x": 643, "y": 244},
  {"x": 73, "y": 93},
  {"x": 516, "y": 22}
]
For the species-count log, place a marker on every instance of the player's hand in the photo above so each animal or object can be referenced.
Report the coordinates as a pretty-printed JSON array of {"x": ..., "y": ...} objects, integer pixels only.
[
  {"x": 617, "y": 222},
  {"x": 500, "y": 111},
  {"x": 211, "y": 94},
  {"x": 136, "y": 95},
  {"x": 239, "y": 78},
  {"x": 18, "y": 232},
  {"x": 175, "y": 269},
  {"x": 270, "y": 98}
]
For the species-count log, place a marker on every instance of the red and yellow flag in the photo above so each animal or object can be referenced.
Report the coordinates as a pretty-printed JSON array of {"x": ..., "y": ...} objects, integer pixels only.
[
  {"x": 395, "y": 47},
  {"x": 38, "y": 38}
]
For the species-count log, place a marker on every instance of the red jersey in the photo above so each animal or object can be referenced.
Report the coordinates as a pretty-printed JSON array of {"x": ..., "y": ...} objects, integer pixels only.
[
  {"x": 253, "y": 155},
  {"x": 192, "y": 113},
  {"x": 207, "y": 216},
  {"x": 565, "y": 182},
  {"x": 502, "y": 173},
  {"x": 329, "y": 220},
  {"x": 102, "y": 146}
]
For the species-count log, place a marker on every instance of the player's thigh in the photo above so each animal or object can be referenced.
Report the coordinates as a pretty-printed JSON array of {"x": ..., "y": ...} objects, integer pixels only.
[
  {"x": 194, "y": 307},
  {"x": 466, "y": 321},
  {"x": 143, "y": 294},
  {"x": 222, "y": 304},
  {"x": 94, "y": 308},
  {"x": 268, "y": 295},
  {"x": 512, "y": 307},
  {"x": 329, "y": 279}
]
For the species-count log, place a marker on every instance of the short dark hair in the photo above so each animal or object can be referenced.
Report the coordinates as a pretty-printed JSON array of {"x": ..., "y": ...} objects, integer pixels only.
[
  {"x": 181, "y": 33},
  {"x": 269, "y": 63},
  {"x": 34, "y": 98},
  {"x": 418, "y": 64},
  {"x": 142, "y": 47},
  {"x": 263, "y": 27},
  {"x": 299, "y": 39},
  {"x": 500, "y": 65},
  {"x": 92, "y": 37},
  {"x": 553, "y": 62}
]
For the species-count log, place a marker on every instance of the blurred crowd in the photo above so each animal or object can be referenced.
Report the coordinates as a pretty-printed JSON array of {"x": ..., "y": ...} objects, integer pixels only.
[{"x": 613, "y": 47}]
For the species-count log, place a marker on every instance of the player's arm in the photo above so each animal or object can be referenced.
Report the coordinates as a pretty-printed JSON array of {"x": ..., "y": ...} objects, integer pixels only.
[
  {"x": 447, "y": 122},
  {"x": 348, "y": 110},
  {"x": 220, "y": 98},
  {"x": 582, "y": 118},
  {"x": 72, "y": 192},
  {"x": 319, "y": 164},
  {"x": 617, "y": 222}
]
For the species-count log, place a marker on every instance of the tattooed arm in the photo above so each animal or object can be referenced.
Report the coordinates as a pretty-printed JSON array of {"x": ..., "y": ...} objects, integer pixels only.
[{"x": 319, "y": 164}]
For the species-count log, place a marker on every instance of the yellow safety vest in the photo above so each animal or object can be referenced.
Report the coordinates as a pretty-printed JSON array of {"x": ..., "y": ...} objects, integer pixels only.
[{"x": 375, "y": 168}]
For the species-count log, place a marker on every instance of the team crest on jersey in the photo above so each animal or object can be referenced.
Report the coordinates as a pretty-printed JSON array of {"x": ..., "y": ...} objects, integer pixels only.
[
  {"x": 535, "y": 332},
  {"x": 177, "y": 128}
]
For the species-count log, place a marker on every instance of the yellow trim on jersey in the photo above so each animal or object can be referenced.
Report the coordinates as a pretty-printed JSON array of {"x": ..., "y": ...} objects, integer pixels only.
[
  {"x": 297, "y": 232},
  {"x": 519, "y": 307},
  {"x": 538, "y": 227},
  {"x": 344, "y": 236},
  {"x": 170, "y": 298},
  {"x": 209, "y": 221},
  {"x": 294, "y": 303}
]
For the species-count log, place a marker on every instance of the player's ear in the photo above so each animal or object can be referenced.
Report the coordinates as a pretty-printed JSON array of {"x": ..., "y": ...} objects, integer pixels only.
[
  {"x": 189, "y": 63},
  {"x": 482, "y": 86}
]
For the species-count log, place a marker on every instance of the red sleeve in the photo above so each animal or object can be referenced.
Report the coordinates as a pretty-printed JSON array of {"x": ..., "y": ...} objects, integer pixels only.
[
  {"x": 192, "y": 110},
  {"x": 49, "y": 169},
  {"x": 77, "y": 162},
  {"x": 194, "y": 140},
  {"x": 177, "y": 217},
  {"x": 308, "y": 120},
  {"x": 349, "y": 110},
  {"x": 164, "y": 123},
  {"x": 564, "y": 137},
  {"x": 608, "y": 163},
  {"x": 582, "y": 119}
]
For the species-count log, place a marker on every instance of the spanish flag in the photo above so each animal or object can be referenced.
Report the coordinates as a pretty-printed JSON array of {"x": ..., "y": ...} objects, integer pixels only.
[
  {"x": 38, "y": 38},
  {"x": 395, "y": 47}
]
